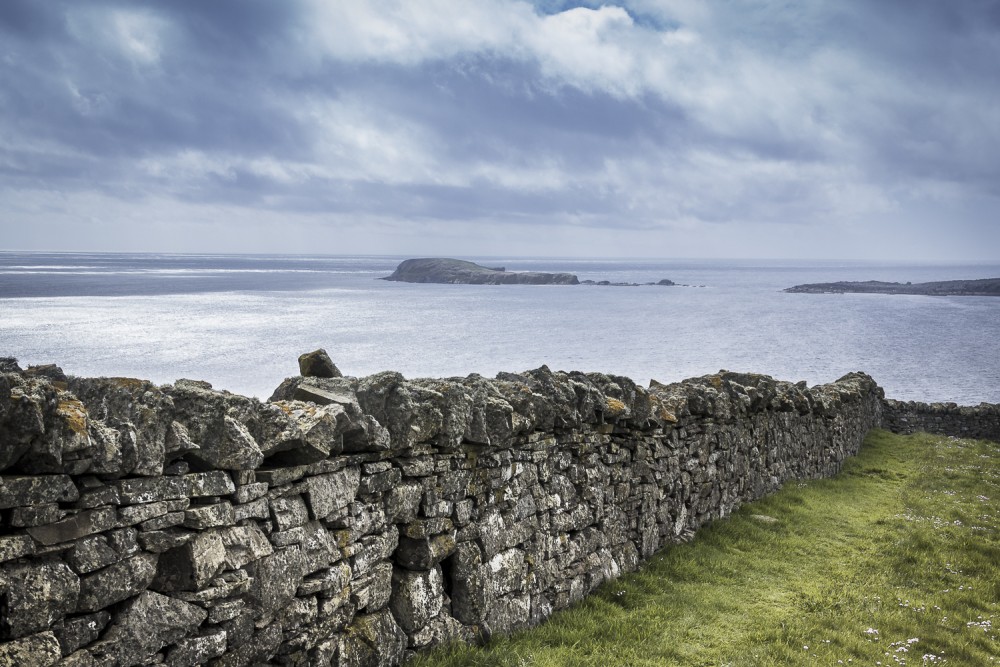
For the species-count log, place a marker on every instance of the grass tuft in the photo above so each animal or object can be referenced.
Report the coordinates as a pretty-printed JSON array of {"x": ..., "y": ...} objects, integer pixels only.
[{"x": 896, "y": 561}]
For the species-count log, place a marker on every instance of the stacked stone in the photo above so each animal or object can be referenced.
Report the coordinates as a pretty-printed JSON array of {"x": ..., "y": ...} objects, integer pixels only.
[
  {"x": 355, "y": 521},
  {"x": 981, "y": 422}
]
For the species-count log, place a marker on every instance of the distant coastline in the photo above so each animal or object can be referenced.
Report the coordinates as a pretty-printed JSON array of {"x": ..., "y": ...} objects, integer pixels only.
[{"x": 981, "y": 287}]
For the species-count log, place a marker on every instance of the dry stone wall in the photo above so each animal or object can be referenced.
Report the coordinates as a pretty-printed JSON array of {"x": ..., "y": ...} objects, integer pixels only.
[
  {"x": 353, "y": 521},
  {"x": 980, "y": 421}
]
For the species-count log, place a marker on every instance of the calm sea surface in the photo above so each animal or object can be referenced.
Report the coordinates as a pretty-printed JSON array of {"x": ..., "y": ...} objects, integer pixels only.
[{"x": 240, "y": 322}]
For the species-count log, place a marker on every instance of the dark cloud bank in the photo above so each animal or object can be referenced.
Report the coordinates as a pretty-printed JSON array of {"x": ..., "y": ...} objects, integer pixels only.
[{"x": 846, "y": 129}]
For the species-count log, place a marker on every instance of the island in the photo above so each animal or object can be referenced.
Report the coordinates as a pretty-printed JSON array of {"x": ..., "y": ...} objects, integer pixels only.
[
  {"x": 981, "y": 287},
  {"x": 460, "y": 272}
]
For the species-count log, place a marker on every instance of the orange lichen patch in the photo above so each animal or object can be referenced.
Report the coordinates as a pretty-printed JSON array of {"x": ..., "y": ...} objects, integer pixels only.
[
  {"x": 615, "y": 407},
  {"x": 74, "y": 413},
  {"x": 666, "y": 416},
  {"x": 716, "y": 381},
  {"x": 131, "y": 384}
]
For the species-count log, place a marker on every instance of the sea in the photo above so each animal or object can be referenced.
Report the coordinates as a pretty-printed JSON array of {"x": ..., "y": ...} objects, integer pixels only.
[{"x": 240, "y": 321}]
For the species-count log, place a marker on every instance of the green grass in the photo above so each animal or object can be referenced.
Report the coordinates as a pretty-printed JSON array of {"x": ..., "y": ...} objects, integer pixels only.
[{"x": 896, "y": 561}]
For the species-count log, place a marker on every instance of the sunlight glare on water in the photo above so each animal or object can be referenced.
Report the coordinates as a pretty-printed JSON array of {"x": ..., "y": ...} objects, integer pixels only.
[{"x": 240, "y": 322}]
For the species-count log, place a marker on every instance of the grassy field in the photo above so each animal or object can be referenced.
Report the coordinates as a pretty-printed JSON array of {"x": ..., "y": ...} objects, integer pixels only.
[{"x": 896, "y": 561}]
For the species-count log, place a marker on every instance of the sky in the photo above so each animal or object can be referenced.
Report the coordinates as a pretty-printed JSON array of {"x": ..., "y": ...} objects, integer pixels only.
[{"x": 639, "y": 128}]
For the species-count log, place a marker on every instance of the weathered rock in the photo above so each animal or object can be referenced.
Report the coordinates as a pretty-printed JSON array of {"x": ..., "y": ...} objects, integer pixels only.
[
  {"x": 137, "y": 410},
  {"x": 257, "y": 649},
  {"x": 425, "y": 553},
  {"x": 191, "y": 565},
  {"x": 23, "y": 406},
  {"x": 372, "y": 641},
  {"x": 440, "y": 630},
  {"x": 39, "y": 515},
  {"x": 328, "y": 493},
  {"x": 416, "y": 597},
  {"x": 77, "y": 526},
  {"x": 50, "y": 371},
  {"x": 26, "y": 491},
  {"x": 15, "y": 546},
  {"x": 243, "y": 545},
  {"x": 220, "y": 423},
  {"x": 236, "y": 449},
  {"x": 39, "y": 650},
  {"x": 318, "y": 364},
  {"x": 373, "y": 590},
  {"x": 33, "y": 596},
  {"x": 289, "y": 512},
  {"x": 143, "y": 490},
  {"x": 147, "y": 624},
  {"x": 79, "y": 631},
  {"x": 9, "y": 365},
  {"x": 92, "y": 553},
  {"x": 275, "y": 579},
  {"x": 210, "y": 516},
  {"x": 116, "y": 582},
  {"x": 312, "y": 433},
  {"x": 214, "y": 483},
  {"x": 197, "y": 650},
  {"x": 133, "y": 514}
]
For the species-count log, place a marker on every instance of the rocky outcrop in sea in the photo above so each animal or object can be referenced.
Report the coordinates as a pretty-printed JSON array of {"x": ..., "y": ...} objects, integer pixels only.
[
  {"x": 460, "y": 272},
  {"x": 982, "y": 287}
]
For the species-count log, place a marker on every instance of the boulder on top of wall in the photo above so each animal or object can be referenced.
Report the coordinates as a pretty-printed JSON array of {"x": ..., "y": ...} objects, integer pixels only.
[
  {"x": 670, "y": 401},
  {"x": 23, "y": 405},
  {"x": 9, "y": 365},
  {"x": 223, "y": 425},
  {"x": 360, "y": 431},
  {"x": 453, "y": 398},
  {"x": 623, "y": 399},
  {"x": 707, "y": 397},
  {"x": 405, "y": 409},
  {"x": 308, "y": 432},
  {"x": 548, "y": 399},
  {"x": 318, "y": 364},
  {"x": 828, "y": 399},
  {"x": 134, "y": 407},
  {"x": 492, "y": 419},
  {"x": 47, "y": 429},
  {"x": 50, "y": 371}
]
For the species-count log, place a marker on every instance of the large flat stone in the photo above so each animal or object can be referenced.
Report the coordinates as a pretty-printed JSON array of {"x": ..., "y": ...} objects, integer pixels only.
[
  {"x": 213, "y": 483},
  {"x": 116, "y": 582},
  {"x": 75, "y": 527},
  {"x": 39, "y": 650},
  {"x": 152, "y": 489},
  {"x": 26, "y": 491}
]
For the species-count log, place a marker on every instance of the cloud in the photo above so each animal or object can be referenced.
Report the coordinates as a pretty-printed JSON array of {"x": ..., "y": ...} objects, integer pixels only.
[{"x": 637, "y": 115}]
